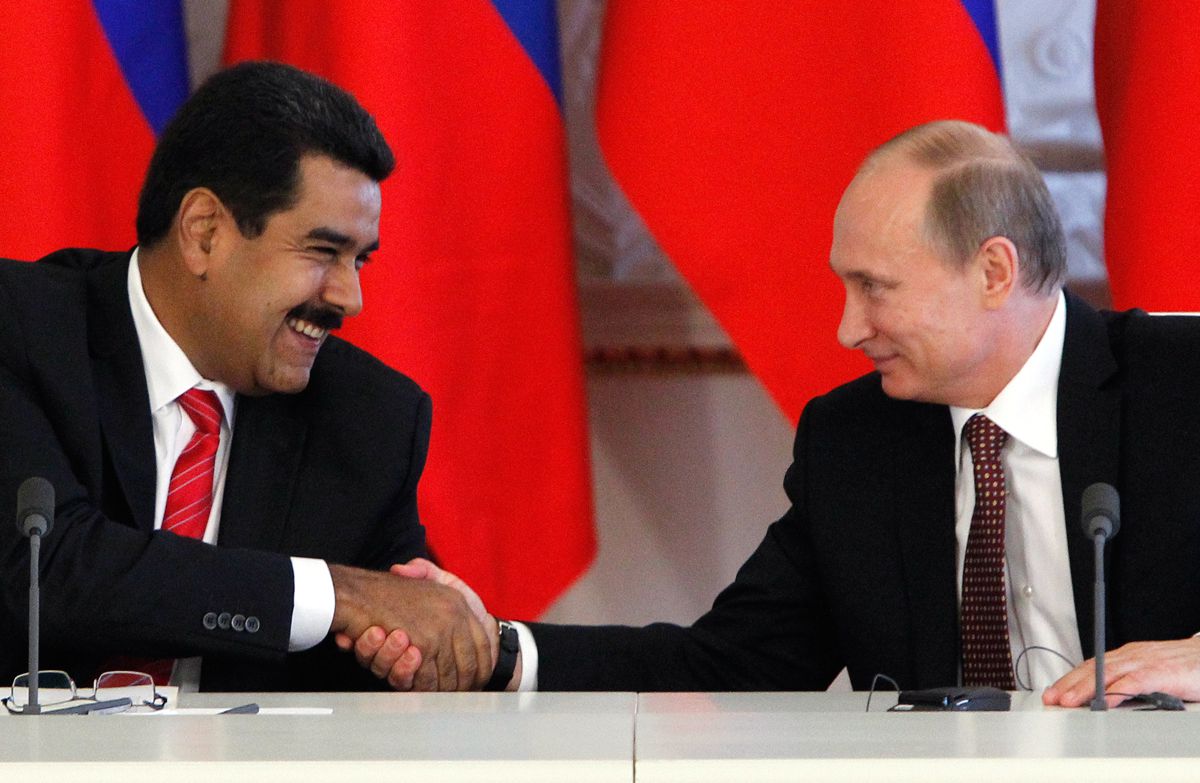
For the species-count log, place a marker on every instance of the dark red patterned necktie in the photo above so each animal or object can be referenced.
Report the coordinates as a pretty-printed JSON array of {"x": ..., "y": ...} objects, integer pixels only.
[{"x": 986, "y": 653}]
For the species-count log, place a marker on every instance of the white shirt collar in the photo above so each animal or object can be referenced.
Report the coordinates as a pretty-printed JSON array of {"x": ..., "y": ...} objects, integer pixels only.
[
  {"x": 169, "y": 373},
  {"x": 1027, "y": 408}
]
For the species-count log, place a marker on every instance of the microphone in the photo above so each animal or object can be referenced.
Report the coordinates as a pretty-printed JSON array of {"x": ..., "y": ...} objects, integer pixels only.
[
  {"x": 35, "y": 517},
  {"x": 1101, "y": 511},
  {"x": 35, "y": 506},
  {"x": 1101, "y": 521}
]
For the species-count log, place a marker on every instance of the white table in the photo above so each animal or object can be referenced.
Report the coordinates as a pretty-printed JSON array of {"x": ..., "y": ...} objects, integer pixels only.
[
  {"x": 386, "y": 738},
  {"x": 579, "y": 738},
  {"x": 825, "y": 736}
]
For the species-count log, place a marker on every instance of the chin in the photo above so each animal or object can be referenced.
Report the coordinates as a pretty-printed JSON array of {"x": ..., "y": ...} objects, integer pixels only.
[
  {"x": 897, "y": 389},
  {"x": 291, "y": 382}
]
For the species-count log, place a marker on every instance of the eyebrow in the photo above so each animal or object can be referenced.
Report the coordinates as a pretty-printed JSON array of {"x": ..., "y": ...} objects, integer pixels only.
[{"x": 338, "y": 238}]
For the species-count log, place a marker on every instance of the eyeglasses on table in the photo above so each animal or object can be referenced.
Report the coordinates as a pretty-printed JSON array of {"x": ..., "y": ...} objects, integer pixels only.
[{"x": 117, "y": 691}]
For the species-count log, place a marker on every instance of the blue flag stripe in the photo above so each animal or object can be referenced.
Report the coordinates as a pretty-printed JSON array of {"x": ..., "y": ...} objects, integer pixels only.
[
  {"x": 983, "y": 14},
  {"x": 148, "y": 40},
  {"x": 535, "y": 24}
]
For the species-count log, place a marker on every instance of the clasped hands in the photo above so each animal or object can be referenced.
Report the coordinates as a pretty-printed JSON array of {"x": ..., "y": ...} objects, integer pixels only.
[{"x": 419, "y": 627}]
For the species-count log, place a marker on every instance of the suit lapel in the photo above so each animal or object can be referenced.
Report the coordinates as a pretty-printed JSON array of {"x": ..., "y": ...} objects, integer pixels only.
[
  {"x": 123, "y": 401},
  {"x": 264, "y": 462},
  {"x": 1088, "y": 441},
  {"x": 923, "y": 459}
]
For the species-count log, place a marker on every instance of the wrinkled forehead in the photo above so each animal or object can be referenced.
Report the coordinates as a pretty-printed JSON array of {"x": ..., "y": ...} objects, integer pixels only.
[{"x": 887, "y": 197}]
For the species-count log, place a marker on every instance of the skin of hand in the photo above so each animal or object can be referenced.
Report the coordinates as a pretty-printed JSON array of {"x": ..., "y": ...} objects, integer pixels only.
[
  {"x": 452, "y": 649},
  {"x": 393, "y": 655},
  {"x": 1139, "y": 667}
]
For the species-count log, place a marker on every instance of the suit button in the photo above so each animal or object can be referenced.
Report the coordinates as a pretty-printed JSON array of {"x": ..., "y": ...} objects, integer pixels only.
[
  {"x": 210, "y": 620},
  {"x": 238, "y": 622},
  {"x": 252, "y": 624},
  {"x": 223, "y": 620}
]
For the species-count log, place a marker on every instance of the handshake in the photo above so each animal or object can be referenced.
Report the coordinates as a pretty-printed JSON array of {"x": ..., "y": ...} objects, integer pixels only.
[{"x": 419, "y": 627}]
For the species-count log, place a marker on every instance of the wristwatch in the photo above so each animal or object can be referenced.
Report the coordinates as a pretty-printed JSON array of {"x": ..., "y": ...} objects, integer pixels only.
[{"x": 506, "y": 660}]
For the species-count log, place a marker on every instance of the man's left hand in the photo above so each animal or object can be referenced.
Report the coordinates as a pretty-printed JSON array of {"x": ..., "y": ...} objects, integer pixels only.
[{"x": 1139, "y": 667}]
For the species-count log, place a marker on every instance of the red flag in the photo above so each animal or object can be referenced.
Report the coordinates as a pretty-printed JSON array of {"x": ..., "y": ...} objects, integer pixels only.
[
  {"x": 81, "y": 100},
  {"x": 734, "y": 127},
  {"x": 473, "y": 290},
  {"x": 1147, "y": 72}
]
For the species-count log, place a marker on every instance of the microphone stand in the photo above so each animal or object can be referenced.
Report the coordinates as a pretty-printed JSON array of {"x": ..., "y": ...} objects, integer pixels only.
[
  {"x": 1101, "y": 506},
  {"x": 1099, "y": 702},
  {"x": 35, "y": 517},
  {"x": 35, "y": 670}
]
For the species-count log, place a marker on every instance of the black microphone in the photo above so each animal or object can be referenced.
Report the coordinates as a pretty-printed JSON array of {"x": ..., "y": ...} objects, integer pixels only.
[
  {"x": 35, "y": 517},
  {"x": 1101, "y": 521}
]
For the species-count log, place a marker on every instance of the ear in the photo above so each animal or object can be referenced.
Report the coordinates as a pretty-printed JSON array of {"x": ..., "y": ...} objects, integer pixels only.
[
  {"x": 200, "y": 216},
  {"x": 999, "y": 265}
]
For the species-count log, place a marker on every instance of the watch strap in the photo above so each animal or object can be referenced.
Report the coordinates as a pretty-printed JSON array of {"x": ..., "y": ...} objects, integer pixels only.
[{"x": 506, "y": 659}]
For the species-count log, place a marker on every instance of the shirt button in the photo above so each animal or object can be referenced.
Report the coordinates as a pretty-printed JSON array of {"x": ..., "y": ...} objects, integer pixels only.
[{"x": 1027, "y": 591}]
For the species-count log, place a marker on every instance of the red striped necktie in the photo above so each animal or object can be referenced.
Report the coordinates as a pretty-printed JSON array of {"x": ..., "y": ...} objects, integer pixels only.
[
  {"x": 986, "y": 653},
  {"x": 189, "y": 496},
  {"x": 189, "y": 502}
]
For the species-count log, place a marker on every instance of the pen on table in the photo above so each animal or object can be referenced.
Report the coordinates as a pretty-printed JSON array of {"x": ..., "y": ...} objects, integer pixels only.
[{"x": 244, "y": 709}]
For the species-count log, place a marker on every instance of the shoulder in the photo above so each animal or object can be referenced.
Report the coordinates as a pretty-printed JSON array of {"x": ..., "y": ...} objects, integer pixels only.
[
  {"x": 55, "y": 274},
  {"x": 862, "y": 404},
  {"x": 1153, "y": 331},
  {"x": 46, "y": 300},
  {"x": 348, "y": 380},
  {"x": 354, "y": 370},
  {"x": 1144, "y": 342}
]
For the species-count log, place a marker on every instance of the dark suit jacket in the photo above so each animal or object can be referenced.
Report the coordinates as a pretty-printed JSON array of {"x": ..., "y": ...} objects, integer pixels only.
[
  {"x": 330, "y": 473},
  {"x": 860, "y": 572}
]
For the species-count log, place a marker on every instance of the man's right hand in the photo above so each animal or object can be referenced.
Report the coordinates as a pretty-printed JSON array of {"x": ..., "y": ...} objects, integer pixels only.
[
  {"x": 454, "y": 649},
  {"x": 393, "y": 656}
]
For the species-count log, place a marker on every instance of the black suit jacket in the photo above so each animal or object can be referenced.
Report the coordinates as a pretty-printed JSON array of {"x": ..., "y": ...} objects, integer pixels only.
[
  {"x": 329, "y": 473},
  {"x": 860, "y": 572}
]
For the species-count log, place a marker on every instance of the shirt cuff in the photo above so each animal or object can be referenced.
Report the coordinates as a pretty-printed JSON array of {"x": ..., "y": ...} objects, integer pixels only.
[
  {"x": 312, "y": 603},
  {"x": 529, "y": 657}
]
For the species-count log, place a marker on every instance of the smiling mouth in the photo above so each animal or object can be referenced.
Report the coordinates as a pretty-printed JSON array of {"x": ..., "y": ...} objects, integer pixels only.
[{"x": 307, "y": 328}]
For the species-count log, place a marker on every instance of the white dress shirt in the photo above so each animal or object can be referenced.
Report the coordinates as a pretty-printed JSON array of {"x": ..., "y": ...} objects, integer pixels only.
[
  {"x": 1041, "y": 604},
  {"x": 169, "y": 374}
]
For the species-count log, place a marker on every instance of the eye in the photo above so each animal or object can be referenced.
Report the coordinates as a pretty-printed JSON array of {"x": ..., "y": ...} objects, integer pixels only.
[
  {"x": 361, "y": 261},
  {"x": 324, "y": 251}
]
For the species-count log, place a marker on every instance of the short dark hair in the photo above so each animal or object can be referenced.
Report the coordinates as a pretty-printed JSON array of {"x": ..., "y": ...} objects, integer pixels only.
[
  {"x": 242, "y": 135},
  {"x": 984, "y": 187}
]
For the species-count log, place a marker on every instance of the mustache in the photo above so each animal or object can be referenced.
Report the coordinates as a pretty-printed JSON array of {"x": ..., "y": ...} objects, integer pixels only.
[{"x": 321, "y": 317}]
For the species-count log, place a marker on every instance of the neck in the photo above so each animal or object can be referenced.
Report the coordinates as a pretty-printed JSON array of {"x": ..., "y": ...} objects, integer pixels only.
[
  {"x": 1017, "y": 330},
  {"x": 169, "y": 294}
]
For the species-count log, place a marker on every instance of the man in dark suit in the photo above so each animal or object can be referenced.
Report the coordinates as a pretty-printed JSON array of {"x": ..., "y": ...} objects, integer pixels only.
[
  {"x": 260, "y": 207},
  {"x": 907, "y": 553}
]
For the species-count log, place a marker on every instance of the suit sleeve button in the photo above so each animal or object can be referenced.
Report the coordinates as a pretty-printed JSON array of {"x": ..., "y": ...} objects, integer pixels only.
[
  {"x": 210, "y": 620},
  {"x": 252, "y": 624},
  {"x": 223, "y": 620},
  {"x": 238, "y": 622}
]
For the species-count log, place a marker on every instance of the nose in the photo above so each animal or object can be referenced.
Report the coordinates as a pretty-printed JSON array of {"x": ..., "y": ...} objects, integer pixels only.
[
  {"x": 854, "y": 327},
  {"x": 342, "y": 289}
]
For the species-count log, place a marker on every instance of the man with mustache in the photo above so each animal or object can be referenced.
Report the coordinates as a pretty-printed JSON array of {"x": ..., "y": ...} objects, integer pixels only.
[
  {"x": 231, "y": 479},
  {"x": 934, "y": 532}
]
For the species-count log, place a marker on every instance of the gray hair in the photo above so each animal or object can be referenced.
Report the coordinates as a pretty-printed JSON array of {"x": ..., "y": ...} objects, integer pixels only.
[{"x": 984, "y": 188}]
